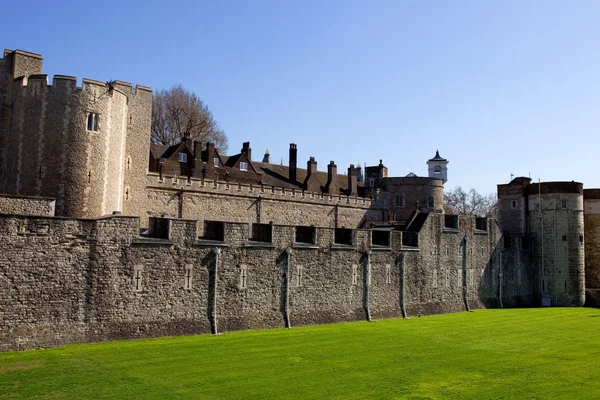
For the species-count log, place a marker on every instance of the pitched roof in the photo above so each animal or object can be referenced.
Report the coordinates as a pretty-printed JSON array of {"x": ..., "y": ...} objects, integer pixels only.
[
  {"x": 158, "y": 150},
  {"x": 278, "y": 175}
]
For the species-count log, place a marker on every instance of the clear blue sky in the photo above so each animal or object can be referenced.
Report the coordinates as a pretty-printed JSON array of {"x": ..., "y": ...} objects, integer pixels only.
[{"x": 499, "y": 87}]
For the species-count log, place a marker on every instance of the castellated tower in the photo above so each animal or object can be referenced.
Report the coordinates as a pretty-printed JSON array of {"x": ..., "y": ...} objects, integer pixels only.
[
  {"x": 76, "y": 144},
  {"x": 551, "y": 213}
]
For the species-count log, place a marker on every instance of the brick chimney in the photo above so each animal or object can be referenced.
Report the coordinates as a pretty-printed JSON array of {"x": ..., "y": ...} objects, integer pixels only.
[
  {"x": 311, "y": 167},
  {"x": 293, "y": 163},
  {"x": 247, "y": 150},
  {"x": 198, "y": 164},
  {"x": 208, "y": 156},
  {"x": 311, "y": 183},
  {"x": 332, "y": 183},
  {"x": 352, "y": 181}
]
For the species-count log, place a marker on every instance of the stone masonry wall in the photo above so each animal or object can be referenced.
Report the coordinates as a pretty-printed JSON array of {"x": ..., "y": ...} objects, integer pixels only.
[
  {"x": 220, "y": 201},
  {"x": 23, "y": 205},
  {"x": 73, "y": 281},
  {"x": 559, "y": 238}
]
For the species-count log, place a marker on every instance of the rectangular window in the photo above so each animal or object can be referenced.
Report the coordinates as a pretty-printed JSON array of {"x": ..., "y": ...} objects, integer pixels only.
[
  {"x": 450, "y": 221},
  {"x": 400, "y": 201},
  {"x": 380, "y": 238},
  {"x": 306, "y": 234},
  {"x": 262, "y": 233},
  {"x": 343, "y": 236},
  {"x": 182, "y": 157},
  {"x": 92, "y": 121},
  {"x": 243, "y": 166},
  {"x": 564, "y": 238},
  {"x": 519, "y": 277},
  {"x": 388, "y": 273},
  {"x": 355, "y": 274},
  {"x": 430, "y": 202},
  {"x": 435, "y": 278},
  {"x": 459, "y": 278},
  {"x": 563, "y": 204},
  {"x": 513, "y": 204},
  {"x": 214, "y": 230},
  {"x": 447, "y": 277},
  {"x": 216, "y": 161},
  {"x": 481, "y": 224},
  {"x": 188, "y": 277},
  {"x": 371, "y": 182}
]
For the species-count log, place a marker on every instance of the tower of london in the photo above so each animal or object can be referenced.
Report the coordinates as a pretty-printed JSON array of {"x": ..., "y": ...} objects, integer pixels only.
[{"x": 136, "y": 239}]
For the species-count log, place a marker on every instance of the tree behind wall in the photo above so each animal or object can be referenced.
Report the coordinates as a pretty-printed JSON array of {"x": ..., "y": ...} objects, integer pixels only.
[
  {"x": 461, "y": 202},
  {"x": 178, "y": 113}
]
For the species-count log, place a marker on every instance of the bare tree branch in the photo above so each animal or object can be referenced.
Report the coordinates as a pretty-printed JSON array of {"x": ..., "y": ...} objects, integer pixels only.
[
  {"x": 177, "y": 113},
  {"x": 458, "y": 201}
]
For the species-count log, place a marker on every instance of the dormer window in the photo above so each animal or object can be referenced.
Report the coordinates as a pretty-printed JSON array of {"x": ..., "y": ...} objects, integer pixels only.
[
  {"x": 243, "y": 166},
  {"x": 92, "y": 121},
  {"x": 182, "y": 157},
  {"x": 216, "y": 161}
]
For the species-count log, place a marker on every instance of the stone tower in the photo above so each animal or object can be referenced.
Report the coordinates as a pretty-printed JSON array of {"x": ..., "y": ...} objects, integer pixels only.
[
  {"x": 85, "y": 146},
  {"x": 550, "y": 214},
  {"x": 438, "y": 167}
]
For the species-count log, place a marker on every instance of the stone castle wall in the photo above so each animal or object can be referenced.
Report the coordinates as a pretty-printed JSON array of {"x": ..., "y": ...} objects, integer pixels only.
[
  {"x": 24, "y": 205},
  {"x": 73, "y": 281},
  {"x": 180, "y": 197}
]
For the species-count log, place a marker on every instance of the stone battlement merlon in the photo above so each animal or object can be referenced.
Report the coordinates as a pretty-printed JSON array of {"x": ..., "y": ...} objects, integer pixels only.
[{"x": 8, "y": 52}]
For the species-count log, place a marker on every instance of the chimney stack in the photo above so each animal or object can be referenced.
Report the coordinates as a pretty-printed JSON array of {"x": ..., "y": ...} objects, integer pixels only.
[
  {"x": 332, "y": 183},
  {"x": 311, "y": 183},
  {"x": 352, "y": 182},
  {"x": 311, "y": 167},
  {"x": 247, "y": 150},
  {"x": 293, "y": 163}
]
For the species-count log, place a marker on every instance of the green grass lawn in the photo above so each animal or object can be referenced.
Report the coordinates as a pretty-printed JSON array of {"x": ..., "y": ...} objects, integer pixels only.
[{"x": 521, "y": 353}]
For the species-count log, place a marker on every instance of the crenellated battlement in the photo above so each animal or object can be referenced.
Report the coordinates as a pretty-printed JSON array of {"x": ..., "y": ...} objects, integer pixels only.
[
  {"x": 70, "y": 82},
  {"x": 154, "y": 180}
]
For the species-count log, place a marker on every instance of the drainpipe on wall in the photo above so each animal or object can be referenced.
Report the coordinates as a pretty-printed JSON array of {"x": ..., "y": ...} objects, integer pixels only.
[
  {"x": 285, "y": 282},
  {"x": 465, "y": 266},
  {"x": 500, "y": 281},
  {"x": 366, "y": 286},
  {"x": 402, "y": 285},
  {"x": 213, "y": 314}
]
